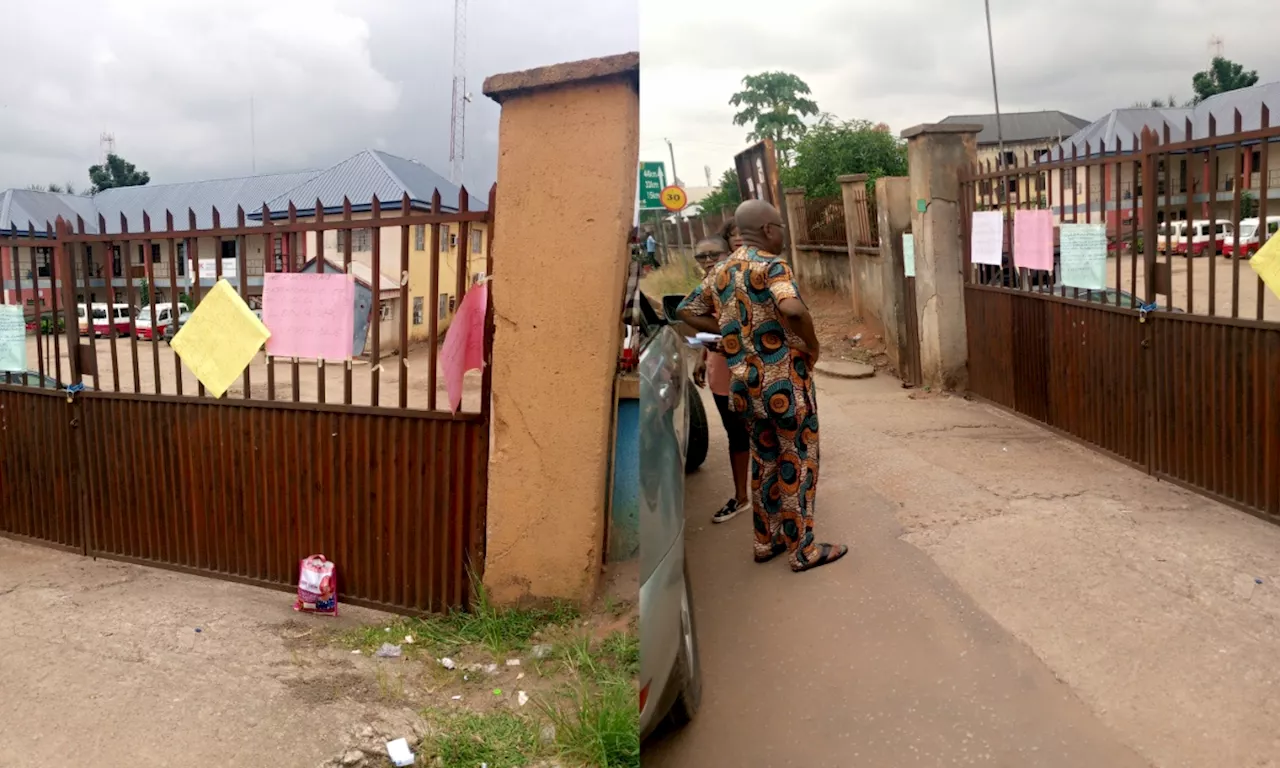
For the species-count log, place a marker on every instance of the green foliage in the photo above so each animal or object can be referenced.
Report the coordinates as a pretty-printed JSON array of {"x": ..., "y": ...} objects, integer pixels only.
[
  {"x": 1222, "y": 75},
  {"x": 727, "y": 194},
  {"x": 834, "y": 147},
  {"x": 773, "y": 104},
  {"x": 116, "y": 172},
  {"x": 67, "y": 189},
  {"x": 1248, "y": 205}
]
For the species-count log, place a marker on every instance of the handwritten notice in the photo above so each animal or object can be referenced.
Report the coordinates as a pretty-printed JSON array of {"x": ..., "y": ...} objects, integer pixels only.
[
  {"x": 1084, "y": 256},
  {"x": 986, "y": 239},
  {"x": 908, "y": 254},
  {"x": 1033, "y": 240},
  {"x": 1266, "y": 262},
  {"x": 463, "y": 348},
  {"x": 13, "y": 338},
  {"x": 220, "y": 338},
  {"x": 310, "y": 316}
]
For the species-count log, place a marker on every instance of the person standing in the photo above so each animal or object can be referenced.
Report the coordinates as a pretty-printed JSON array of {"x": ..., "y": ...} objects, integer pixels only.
[
  {"x": 714, "y": 373},
  {"x": 751, "y": 299},
  {"x": 651, "y": 247}
]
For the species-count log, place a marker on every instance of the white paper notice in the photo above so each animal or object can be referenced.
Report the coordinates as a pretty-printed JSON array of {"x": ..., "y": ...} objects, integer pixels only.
[
  {"x": 987, "y": 237},
  {"x": 908, "y": 254},
  {"x": 13, "y": 338},
  {"x": 1084, "y": 256}
]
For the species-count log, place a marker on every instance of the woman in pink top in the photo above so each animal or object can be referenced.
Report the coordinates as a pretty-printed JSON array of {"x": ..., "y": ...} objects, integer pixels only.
[{"x": 716, "y": 372}]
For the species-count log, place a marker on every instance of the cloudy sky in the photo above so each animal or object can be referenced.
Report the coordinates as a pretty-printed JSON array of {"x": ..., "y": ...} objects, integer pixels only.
[
  {"x": 916, "y": 61},
  {"x": 173, "y": 81}
]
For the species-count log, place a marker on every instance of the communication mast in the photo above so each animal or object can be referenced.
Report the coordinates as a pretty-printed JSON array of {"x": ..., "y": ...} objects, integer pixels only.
[
  {"x": 1215, "y": 46},
  {"x": 458, "y": 127},
  {"x": 106, "y": 146}
]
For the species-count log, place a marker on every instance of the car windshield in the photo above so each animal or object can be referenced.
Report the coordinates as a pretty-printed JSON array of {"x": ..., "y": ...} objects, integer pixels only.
[
  {"x": 99, "y": 314},
  {"x": 1247, "y": 230},
  {"x": 145, "y": 314}
]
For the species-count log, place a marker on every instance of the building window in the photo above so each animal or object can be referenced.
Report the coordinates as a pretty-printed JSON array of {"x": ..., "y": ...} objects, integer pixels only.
[
  {"x": 476, "y": 246},
  {"x": 1068, "y": 177},
  {"x": 417, "y": 310},
  {"x": 442, "y": 307},
  {"x": 360, "y": 239},
  {"x": 277, "y": 253},
  {"x": 117, "y": 267},
  {"x": 453, "y": 303},
  {"x": 444, "y": 237},
  {"x": 453, "y": 240},
  {"x": 420, "y": 237},
  {"x": 384, "y": 311},
  {"x": 228, "y": 248},
  {"x": 182, "y": 258}
]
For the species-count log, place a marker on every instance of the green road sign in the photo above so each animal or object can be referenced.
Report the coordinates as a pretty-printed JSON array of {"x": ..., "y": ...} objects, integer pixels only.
[{"x": 653, "y": 178}]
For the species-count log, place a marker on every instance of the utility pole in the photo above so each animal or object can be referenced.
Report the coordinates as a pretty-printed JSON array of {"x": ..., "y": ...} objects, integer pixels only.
[
  {"x": 675, "y": 179},
  {"x": 991, "y": 49}
]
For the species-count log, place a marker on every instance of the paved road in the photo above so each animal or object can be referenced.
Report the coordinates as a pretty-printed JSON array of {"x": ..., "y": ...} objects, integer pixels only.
[{"x": 879, "y": 660}]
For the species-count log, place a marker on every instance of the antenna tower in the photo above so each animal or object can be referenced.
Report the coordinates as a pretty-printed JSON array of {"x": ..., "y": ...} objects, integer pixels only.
[
  {"x": 458, "y": 127},
  {"x": 1215, "y": 46},
  {"x": 106, "y": 146}
]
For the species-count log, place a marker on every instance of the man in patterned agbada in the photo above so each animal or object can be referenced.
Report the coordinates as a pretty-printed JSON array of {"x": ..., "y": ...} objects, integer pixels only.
[{"x": 751, "y": 299}]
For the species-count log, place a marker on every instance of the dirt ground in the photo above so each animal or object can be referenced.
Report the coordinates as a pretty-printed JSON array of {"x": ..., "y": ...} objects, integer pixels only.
[
  {"x": 1011, "y": 598},
  {"x": 121, "y": 666},
  {"x": 149, "y": 353}
]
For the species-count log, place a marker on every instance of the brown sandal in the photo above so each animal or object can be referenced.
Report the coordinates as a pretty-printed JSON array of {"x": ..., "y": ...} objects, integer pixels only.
[{"x": 827, "y": 553}]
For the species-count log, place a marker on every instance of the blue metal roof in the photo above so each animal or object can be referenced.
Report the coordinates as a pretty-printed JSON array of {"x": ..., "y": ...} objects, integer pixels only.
[
  {"x": 366, "y": 175},
  {"x": 359, "y": 178}
]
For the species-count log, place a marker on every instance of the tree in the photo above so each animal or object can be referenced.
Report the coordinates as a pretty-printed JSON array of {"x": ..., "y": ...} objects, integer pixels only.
[
  {"x": 67, "y": 188},
  {"x": 773, "y": 104},
  {"x": 1170, "y": 102},
  {"x": 835, "y": 147},
  {"x": 726, "y": 195},
  {"x": 116, "y": 172},
  {"x": 1248, "y": 206},
  {"x": 1222, "y": 75}
]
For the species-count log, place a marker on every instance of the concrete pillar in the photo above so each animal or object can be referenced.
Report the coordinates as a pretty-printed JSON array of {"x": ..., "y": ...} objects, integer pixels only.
[
  {"x": 935, "y": 155},
  {"x": 797, "y": 221},
  {"x": 893, "y": 211},
  {"x": 568, "y": 146}
]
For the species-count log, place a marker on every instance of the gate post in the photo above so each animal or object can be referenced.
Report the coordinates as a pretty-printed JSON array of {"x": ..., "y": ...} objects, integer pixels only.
[
  {"x": 569, "y": 143},
  {"x": 893, "y": 211},
  {"x": 793, "y": 201},
  {"x": 935, "y": 155}
]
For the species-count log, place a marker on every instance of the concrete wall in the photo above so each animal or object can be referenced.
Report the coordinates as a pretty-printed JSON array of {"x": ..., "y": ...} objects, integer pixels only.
[
  {"x": 568, "y": 146},
  {"x": 822, "y": 270}
]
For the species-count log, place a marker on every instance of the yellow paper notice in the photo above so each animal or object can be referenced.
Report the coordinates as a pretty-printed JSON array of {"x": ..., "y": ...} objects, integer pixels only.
[
  {"x": 1266, "y": 262},
  {"x": 220, "y": 339}
]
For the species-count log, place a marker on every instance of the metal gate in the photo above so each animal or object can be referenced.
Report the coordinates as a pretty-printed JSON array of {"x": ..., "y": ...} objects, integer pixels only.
[
  {"x": 359, "y": 462},
  {"x": 1172, "y": 368}
]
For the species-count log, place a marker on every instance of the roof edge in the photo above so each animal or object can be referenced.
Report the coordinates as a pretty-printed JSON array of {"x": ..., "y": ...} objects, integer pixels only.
[{"x": 624, "y": 66}]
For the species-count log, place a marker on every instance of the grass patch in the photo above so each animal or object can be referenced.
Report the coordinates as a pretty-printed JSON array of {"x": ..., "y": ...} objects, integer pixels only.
[
  {"x": 497, "y": 739},
  {"x": 681, "y": 276},
  {"x": 496, "y": 629}
]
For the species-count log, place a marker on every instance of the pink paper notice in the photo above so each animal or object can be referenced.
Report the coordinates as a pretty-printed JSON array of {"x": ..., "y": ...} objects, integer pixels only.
[
  {"x": 463, "y": 348},
  {"x": 1033, "y": 240},
  {"x": 310, "y": 316}
]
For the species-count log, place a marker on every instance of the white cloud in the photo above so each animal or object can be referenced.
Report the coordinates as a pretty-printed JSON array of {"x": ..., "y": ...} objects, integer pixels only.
[{"x": 917, "y": 61}]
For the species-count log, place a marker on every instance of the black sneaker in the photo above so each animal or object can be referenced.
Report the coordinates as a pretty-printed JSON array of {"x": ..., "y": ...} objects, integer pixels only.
[{"x": 729, "y": 511}]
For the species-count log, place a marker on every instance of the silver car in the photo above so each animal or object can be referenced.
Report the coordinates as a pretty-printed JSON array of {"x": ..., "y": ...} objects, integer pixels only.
[{"x": 670, "y": 673}]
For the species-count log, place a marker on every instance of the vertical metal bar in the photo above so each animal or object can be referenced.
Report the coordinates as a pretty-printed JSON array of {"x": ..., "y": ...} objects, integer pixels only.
[
  {"x": 1168, "y": 216},
  {"x": 107, "y": 256},
  {"x": 320, "y": 265},
  {"x": 37, "y": 307},
  {"x": 173, "y": 293},
  {"x": 486, "y": 375},
  {"x": 151, "y": 299},
  {"x": 297, "y": 237},
  {"x": 1264, "y": 229},
  {"x": 1088, "y": 203},
  {"x": 1006, "y": 231},
  {"x": 242, "y": 280},
  {"x": 55, "y": 288},
  {"x": 403, "y": 341},
  {"x": 1075, "y": 199},
  {"x": 346, "y": 268},
  {"x": 127, "y": 269},
  {"x": 1135, "y": 198},
  {"x": 269, "y": 258},
  {"x": 1119, "y": 171},
  {"x": 193, "y": 255},
  {"x": 433, "y": 325},
  {"x": 375, "y": 367},
  {"x": 464, "y": 250},
  {"x": 1149, "y": 205},
  {"x": 1212, "y": 191},
  {"x": 1237, "y": 175}
]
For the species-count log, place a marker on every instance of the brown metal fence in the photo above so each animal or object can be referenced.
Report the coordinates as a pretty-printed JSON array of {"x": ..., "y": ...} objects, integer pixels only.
[
  {"x": 823, "y": 222},
  {"x": 1174, "y": 366},
  {"x": 358, "y": 462}
]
